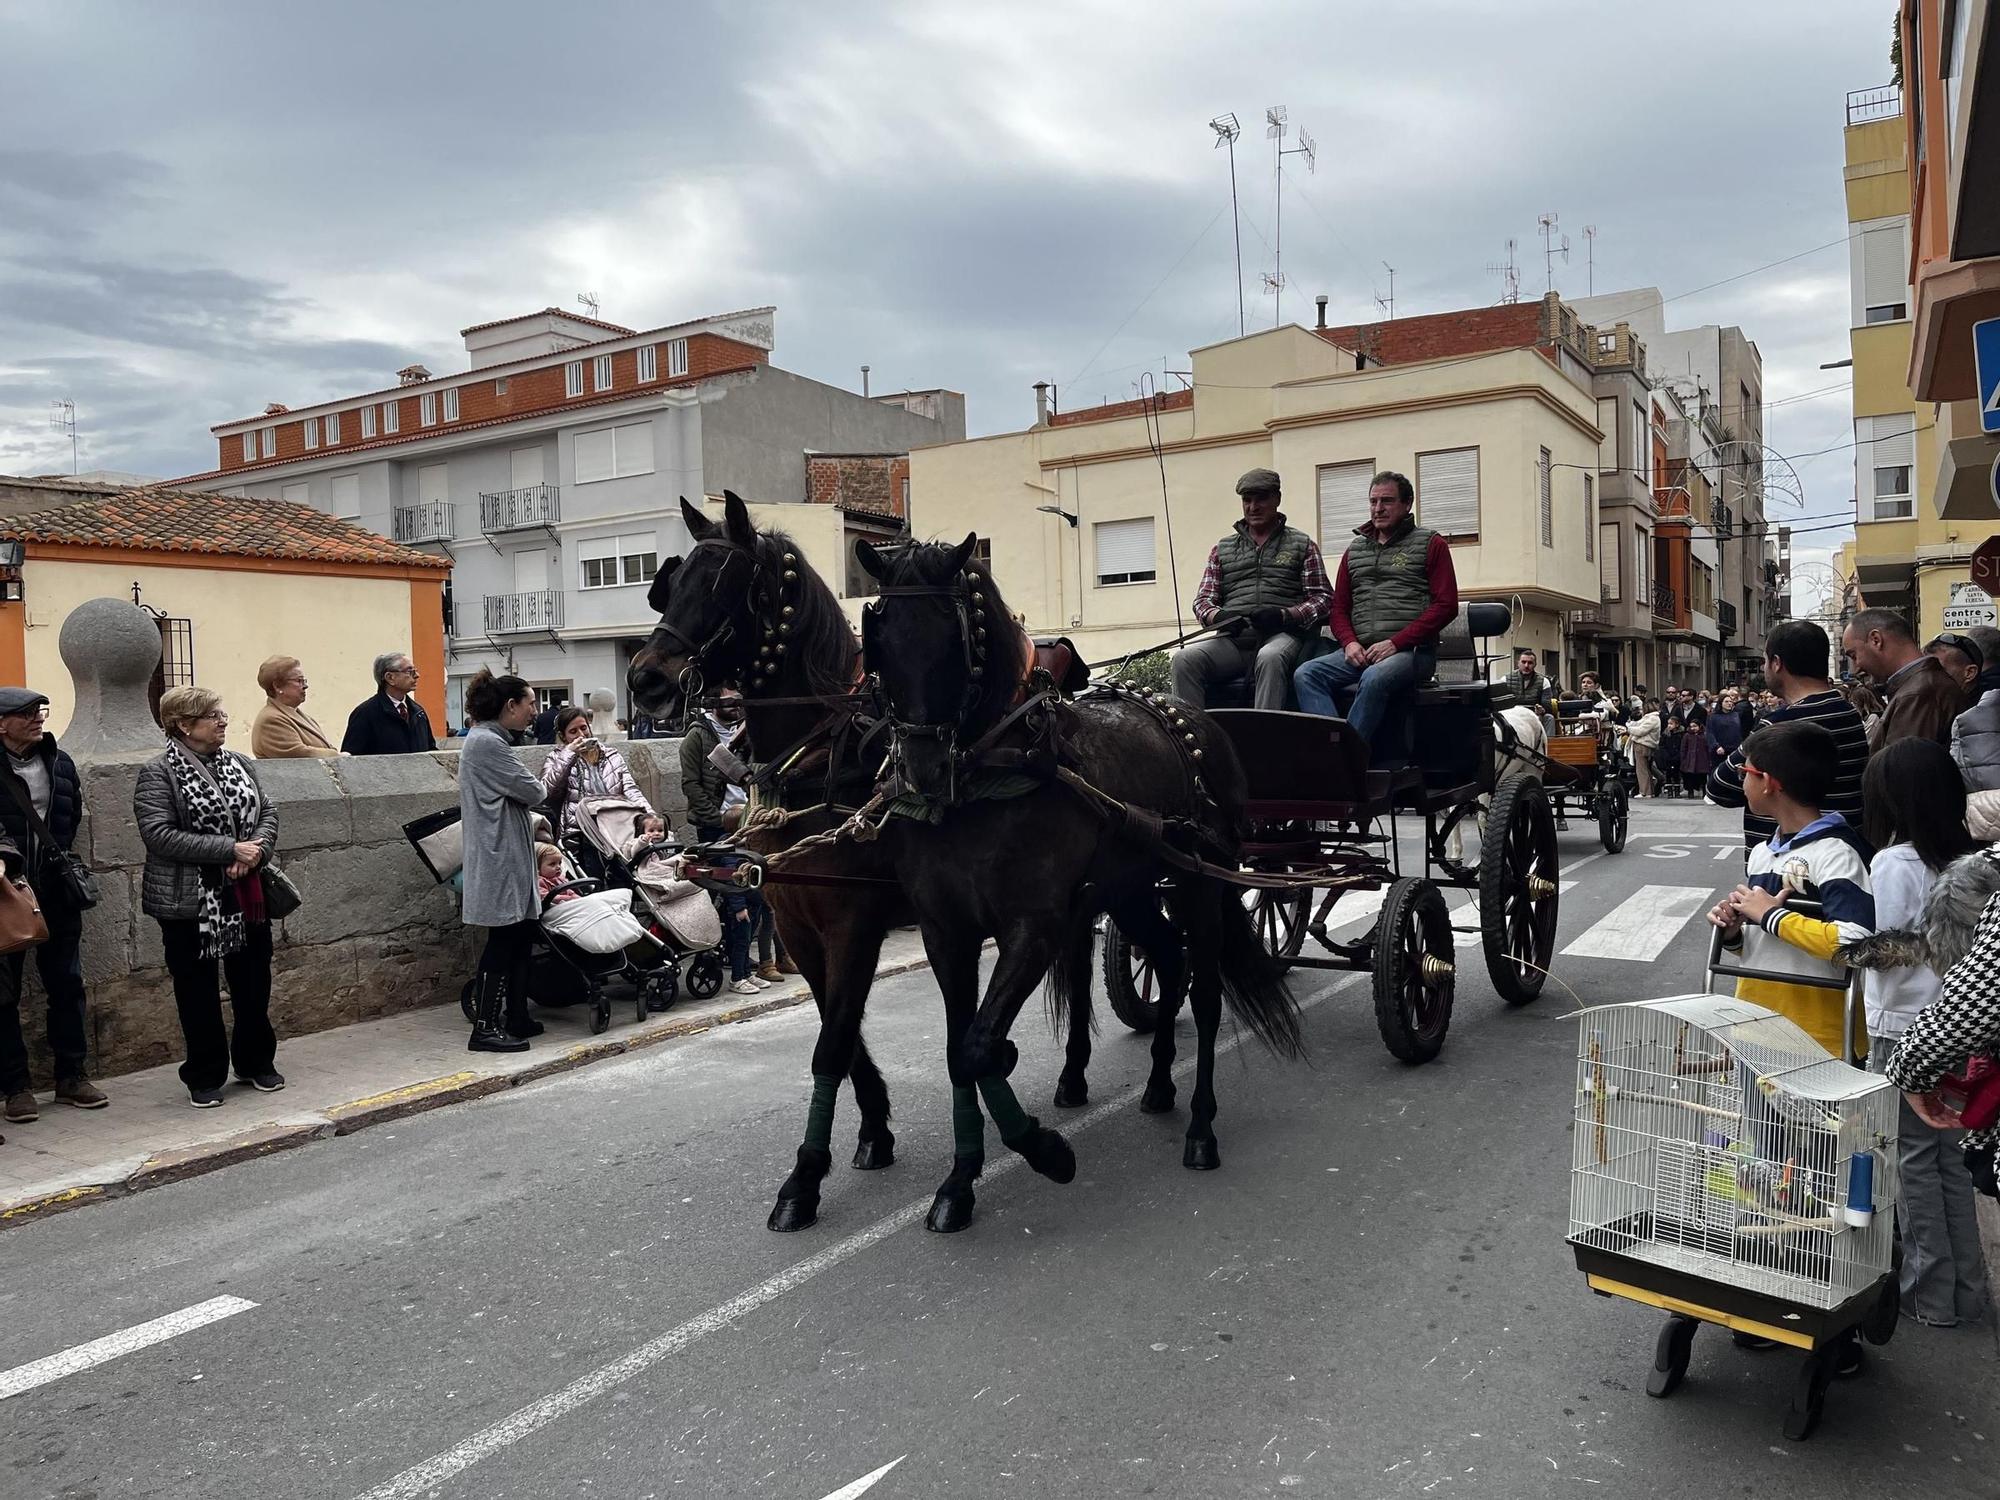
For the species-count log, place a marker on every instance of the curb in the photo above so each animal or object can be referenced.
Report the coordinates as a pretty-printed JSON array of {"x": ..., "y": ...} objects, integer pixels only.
[{"x": 182, "y": 1163}]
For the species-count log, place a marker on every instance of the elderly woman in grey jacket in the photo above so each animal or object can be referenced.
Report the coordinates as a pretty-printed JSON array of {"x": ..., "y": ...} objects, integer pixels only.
[
  {"x": 209, "y": 832},
  {"x": 495, "y": 792}
]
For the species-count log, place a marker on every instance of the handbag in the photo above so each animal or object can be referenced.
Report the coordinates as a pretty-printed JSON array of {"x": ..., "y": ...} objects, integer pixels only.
[
  {"x": 78, "y": 880},
  {"x": 439, "y": 842},
  {"x": 21, "y": 924},
  {"x": 1974, "y": 1093},
  {"x": 281, "y": 897}
]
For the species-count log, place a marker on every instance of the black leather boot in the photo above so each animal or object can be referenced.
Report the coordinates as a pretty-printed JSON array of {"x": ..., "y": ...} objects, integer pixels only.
[{"x": 487, "y": 1034}]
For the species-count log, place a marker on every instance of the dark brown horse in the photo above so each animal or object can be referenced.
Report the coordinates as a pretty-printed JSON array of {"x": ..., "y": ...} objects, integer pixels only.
[
  {"x": 1029, "y": 862},
  {"x": 746, "y": 608}
]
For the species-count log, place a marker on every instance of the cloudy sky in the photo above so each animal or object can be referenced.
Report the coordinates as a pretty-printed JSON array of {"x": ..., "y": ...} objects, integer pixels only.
[{"x": 208, "y": 206}]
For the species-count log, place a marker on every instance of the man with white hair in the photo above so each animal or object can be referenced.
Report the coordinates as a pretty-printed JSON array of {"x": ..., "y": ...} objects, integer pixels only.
[{"x": 392, "y": 722}]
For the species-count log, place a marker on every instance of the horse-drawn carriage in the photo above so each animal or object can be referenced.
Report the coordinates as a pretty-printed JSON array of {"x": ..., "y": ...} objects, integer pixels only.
[
  {"x": 1323, "y": 825},
  {"x": 1584, "y": 770}
]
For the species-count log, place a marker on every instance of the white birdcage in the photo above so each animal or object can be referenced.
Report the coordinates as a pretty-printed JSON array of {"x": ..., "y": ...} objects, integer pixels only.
[{"x": 1716, "y": 1139}]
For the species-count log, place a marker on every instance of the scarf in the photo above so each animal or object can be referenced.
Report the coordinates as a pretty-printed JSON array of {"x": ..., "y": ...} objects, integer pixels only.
[{"x": 220, "y": 798}]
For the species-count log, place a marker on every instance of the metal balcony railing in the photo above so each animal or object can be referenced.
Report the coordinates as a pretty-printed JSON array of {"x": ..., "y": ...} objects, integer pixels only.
[
  {"x": 1725, "y": 618},
  {"x": 1884, "y": 102},
  {"x": 428, "y": 521},
  {"x": 539, "y": 609},
  {"x": 520, "y": 510},
  {"x": 1663, "y": 602}
]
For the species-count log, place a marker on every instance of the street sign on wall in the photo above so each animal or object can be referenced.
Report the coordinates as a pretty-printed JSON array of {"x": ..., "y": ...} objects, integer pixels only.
[
  {"x": 1986, "y": 360},
  {"x": 1969, "y": 605}
]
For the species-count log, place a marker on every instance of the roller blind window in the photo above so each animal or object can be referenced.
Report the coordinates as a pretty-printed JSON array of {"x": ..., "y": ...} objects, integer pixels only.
[
  {"x": 1343, "y": 503},
  {"x": 1448, "y": 491},
  {"x": 614, "y": 452},
  {"x": 1125, "y": 551}
]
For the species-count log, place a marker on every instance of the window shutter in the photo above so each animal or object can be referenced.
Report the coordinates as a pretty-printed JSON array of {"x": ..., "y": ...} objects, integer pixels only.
[
  {"x": 1894, "y": 439},
  {"x": 1883, "y": 265},
  {"x": 1125, "y": 549},
  {"x": 297, "y": 494},
  {"x": 1343, "y": 503},
  {"x": 1607, "y": 423},
  {"x": 635, "y": 448},
  {"x": 1589, "y": 518},
  {"x": 594, "y": 456},
  {"x": 1545, "y": 479},
  {"x": 1607, "y": 559},
  {"x": 430, "y": 484},
  {"x": 1448, "y": 491},
  {"x": 347, "y": 495}
]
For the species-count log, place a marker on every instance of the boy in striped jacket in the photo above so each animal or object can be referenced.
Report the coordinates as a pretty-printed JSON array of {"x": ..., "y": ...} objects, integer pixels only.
[{"x": 1805, "y": 891}]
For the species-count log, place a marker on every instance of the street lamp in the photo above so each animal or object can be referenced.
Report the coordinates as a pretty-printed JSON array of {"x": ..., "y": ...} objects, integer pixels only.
[{"x": 1057, "y": 510}]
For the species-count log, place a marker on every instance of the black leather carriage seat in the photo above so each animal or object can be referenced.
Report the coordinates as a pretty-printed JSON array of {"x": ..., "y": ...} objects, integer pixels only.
[{"x": 1303, "y": 766}]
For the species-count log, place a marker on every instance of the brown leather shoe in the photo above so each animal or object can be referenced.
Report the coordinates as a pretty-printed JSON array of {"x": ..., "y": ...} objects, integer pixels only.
[
  {"x": 786, "y": 966},
  {"x": 21, "y": 1108},
  {"x": 768, "y": 972},
  {"x": 81, "y": 1093}
]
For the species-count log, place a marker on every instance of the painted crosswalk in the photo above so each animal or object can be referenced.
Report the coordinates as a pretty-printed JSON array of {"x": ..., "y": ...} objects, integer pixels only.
[{"x": 1641, "y": 926}]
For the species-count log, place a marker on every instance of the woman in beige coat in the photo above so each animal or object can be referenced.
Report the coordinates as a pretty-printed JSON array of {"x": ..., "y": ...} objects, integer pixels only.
[{"x": 283, "y": 729}]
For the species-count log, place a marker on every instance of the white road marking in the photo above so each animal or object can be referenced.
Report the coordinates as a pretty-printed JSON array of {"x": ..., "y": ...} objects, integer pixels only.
[
  {"x": 420, "y": 1480},
  {"x": 26, "y": 1377},
  {"x": 1640, "y": 927},
  {"x": 864, "y": 1484}
]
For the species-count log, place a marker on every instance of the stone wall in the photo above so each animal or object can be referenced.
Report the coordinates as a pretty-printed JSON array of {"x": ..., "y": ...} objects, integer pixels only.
[{"x": 374, "y": 936}]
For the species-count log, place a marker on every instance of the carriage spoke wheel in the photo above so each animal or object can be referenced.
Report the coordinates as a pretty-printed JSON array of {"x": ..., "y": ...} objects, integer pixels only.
[
  {"x": 1414, "y": 974},
  {"x": 1518, "y": 887},
  {"x": 1280, "y": 917},
  {"x": 1131, "y": 983},
  {"x": 1614, "y": 811}
]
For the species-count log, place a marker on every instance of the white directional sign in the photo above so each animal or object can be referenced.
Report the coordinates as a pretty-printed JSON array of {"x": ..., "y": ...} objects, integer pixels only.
[{"x": 1969, "y": 605}]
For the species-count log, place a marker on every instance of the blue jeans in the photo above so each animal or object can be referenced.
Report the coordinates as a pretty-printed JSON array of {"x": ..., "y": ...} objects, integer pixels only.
[
  {"x": 1374, "y": 699},
  {"x": 740, "y": 910}
]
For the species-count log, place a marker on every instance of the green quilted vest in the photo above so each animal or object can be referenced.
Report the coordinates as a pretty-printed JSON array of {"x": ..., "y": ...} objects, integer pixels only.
[
  {"x": 1271, "y": 574},
  {"x": 1387, "y": 580}
]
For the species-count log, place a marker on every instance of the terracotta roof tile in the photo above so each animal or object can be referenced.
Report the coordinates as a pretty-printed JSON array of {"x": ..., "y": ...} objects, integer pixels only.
[{"x": 159, "y": 519}]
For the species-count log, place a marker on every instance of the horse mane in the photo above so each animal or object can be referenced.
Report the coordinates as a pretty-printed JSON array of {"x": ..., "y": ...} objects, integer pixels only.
[
  {"x": 930, "y": 563},
  {"x": 822, "y": 640}
]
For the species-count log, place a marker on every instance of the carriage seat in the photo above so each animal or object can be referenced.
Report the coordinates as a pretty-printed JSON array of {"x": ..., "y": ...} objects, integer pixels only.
[
  {"x": 1460, "y": 677},
  {"x": 1058, "y": 657}
]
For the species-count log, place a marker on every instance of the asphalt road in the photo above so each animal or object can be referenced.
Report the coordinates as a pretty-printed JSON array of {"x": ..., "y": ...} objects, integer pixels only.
[{"x": 567, "y": 1289}]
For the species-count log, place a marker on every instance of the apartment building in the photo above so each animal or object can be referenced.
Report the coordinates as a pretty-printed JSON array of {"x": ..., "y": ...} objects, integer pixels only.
[
  {"x": 1097, "y": 522},
  {"x": 550, "y": 472}
]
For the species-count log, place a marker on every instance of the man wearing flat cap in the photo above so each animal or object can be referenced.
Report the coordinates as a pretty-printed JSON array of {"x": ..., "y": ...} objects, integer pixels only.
[
  {"x": 41, "y": 804},
  {"x": 1265, "y": 591}
]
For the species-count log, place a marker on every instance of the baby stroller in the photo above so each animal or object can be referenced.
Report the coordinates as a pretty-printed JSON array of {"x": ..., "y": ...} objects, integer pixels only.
[{"x": 677, "y": 913}]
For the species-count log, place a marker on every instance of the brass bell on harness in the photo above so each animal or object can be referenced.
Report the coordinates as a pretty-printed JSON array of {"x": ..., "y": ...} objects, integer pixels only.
[
  {"x": 977, "y": 673},
  {"x": 790, "y": 559},
  {"x": 1188, "y": 738},
  {"x": 1195, "y": 753},
  {"x": 786, "y": 610},
  {"x": 974, "y": 579},
  {"x": 790, "y": 576}
]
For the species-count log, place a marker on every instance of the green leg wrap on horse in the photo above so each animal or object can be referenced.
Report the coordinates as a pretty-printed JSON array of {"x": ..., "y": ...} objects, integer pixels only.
[
  {"x": 819, "y": 1114},
  {"x": 968, "y": 1125},
  {"x": 1013, "y": 1121}
]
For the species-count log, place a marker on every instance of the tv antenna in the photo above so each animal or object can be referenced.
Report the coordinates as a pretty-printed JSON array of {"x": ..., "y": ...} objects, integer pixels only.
[
  {"x": 1227, "y": 129},
  {"x": 1388, "y": 303},
  {"x": 1553, "y": 244},
  {"x": 62, "y": 418},
  {"x": 1275, "y": 126},
  {"x": 588, "y": 302},
  {"x": 1590, "y": 260},
  {"x": 1509, "y": 273}
]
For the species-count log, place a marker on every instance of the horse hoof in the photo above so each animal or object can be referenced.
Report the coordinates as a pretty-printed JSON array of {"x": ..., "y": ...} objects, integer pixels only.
[
  {"x": 1071, "y": 1095},
  {"x": 1201, "y": 1155},
  {"x": 1049, "y": 1154},
  {"x": 1158, "y": 1099},
  {"x": 872, "y": 1155},
  {"x": 793, "y": 1214},
  {"x": 950, "y": 1212}
]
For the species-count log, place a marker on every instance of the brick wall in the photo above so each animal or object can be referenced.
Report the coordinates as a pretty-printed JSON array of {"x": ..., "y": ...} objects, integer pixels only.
[
  {"x": 858, "y": 481},
  {"x": 1166, "y": 401},
  {"x": 1478, "y": 330},
  {"x": 528, "y": 392}
]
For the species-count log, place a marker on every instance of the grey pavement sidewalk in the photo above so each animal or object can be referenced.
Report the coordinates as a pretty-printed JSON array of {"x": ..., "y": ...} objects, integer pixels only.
[{"x": 337, "y": 1082}]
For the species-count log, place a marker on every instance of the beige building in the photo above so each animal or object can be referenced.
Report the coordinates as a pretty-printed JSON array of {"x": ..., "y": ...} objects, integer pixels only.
[{"x": 1098, "y": 522}]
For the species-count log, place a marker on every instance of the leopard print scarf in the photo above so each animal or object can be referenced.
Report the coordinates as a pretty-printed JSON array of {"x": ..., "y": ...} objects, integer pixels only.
[{"x": 220, "y": 798}]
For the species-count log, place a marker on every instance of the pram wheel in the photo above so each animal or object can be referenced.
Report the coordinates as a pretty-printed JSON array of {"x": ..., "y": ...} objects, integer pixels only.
[
  {"x": 1809, "y": 1392},
  {"x": 1670, "y": 1356},
  {"x": 600, "y": 1011},
  {"x": 661, "y": 988},
  {"x": 704, "y": 977}
]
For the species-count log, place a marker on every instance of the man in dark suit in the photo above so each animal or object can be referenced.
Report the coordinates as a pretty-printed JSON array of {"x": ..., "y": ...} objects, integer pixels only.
[{"x": 392, "y": 722}]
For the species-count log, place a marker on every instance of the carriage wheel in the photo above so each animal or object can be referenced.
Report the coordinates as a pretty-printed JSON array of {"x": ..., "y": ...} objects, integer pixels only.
[
  {"x": 1130, "y": 981},
  {"x": 1614, "y": 811},
  {"x": 1280, "y": 918},
  {"x": 1518, "y": 886},
  {"x": 704, "y": 976},
  {"x": 1414, "y": 975}
]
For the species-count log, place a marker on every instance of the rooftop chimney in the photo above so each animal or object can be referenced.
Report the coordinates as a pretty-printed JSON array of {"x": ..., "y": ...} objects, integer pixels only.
[
  {"x": 1320, "y": 303},
  {"x": 864, "y": 380},
  {"x": 1041, "y": 403},
  {"x": 412, "y": 375}
]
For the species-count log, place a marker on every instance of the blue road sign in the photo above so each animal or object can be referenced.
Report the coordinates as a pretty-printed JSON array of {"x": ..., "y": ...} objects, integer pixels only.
[{"x": 1986, "y": 358}]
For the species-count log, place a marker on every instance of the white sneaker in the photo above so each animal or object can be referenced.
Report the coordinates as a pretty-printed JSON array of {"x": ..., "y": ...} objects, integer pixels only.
[
  {"x": 745, "y": 987},
  {"x": 761, "y": 982}
]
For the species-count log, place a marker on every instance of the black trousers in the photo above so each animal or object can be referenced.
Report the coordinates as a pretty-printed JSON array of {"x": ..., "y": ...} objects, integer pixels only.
[
  {"x": 503, "y": 969},
  {"x": 60, "y": 963},
  {"x": 252, "y": 1046}
]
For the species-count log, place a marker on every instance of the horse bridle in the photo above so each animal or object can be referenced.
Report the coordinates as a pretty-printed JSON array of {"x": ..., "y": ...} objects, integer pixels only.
[
  {"x": 968, "y": 603},
  {"x": 770, "y": 612}
]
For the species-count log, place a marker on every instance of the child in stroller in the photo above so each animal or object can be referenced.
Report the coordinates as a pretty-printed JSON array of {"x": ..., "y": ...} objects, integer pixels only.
[{"x": 629, "y": 842}]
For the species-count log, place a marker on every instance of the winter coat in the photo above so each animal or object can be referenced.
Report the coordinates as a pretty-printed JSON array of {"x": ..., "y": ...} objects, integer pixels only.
[
  {"x": 567, "y": 780},
  {"x": 375, "y": 728},
  {"x": 1975, "y": 743},
  {"x": 281, "y": 732},
  {"x": 495, "y": 792},
  {"x": 1924, "y": 700},
  {"x": 65, "y": 813},
  {"x": 175, "y": 854},
  {"x": 1645, "y": 731},
  {"x": 701, "y": 783},
  {"x": 1725, "y": 733}
]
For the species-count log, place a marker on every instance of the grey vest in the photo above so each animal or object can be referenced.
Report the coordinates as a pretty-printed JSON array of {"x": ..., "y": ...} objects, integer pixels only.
[
  {"x": 1274, "y": 573},
  {"x": 1387, "y": 580}
]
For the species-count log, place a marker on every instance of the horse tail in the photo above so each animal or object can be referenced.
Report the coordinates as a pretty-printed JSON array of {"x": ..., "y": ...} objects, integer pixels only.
[
  {"x": 1069, "y": 976},
  {"x": 1253, "y": 982}
]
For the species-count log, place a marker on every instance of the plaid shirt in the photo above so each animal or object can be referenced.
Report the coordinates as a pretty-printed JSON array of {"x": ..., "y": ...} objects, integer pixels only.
[{"x": 1310, "y": 612}]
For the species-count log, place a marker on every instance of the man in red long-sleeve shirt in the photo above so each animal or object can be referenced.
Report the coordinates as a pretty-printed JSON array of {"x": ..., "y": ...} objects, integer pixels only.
[{"x": 1395, "y": 592}]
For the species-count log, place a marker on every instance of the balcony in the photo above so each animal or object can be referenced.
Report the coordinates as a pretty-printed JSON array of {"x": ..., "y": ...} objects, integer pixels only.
[
  {"x": 1884, "y": 102},
  {"x": 538, "y": 611},
  {"x": 1589, "y": 621},
  {"x": 1725, "y": 619},
  {"x": 429, "y": 521},
  {"x": 1663, "y": 603},
  {"x": 532, "y": 507}
]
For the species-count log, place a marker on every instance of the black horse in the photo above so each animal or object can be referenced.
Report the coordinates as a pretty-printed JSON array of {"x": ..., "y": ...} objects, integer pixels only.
[
  {"x": 1031, "y": 861},
  {"x": 746, "y": 608}
]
